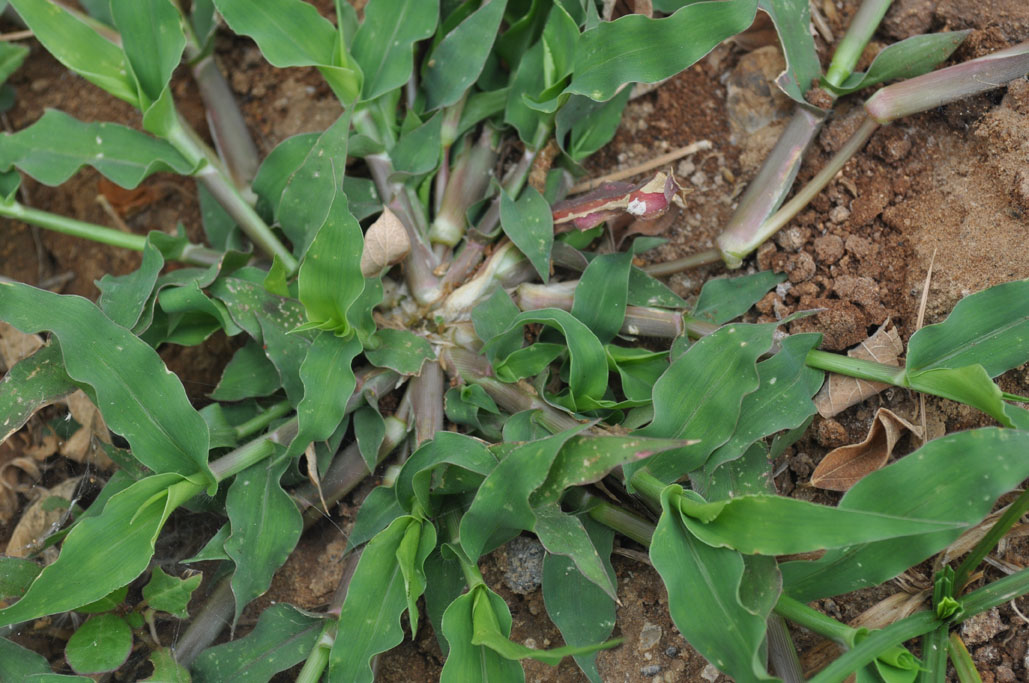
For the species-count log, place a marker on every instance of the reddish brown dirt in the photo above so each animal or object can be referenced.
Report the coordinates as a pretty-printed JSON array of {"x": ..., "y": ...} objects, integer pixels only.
[{"x": 949, "y": 187}]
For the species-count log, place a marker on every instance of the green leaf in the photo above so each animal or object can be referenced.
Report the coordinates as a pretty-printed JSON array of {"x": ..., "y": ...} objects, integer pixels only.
[
  {"x": 166, "y": 669},
  {"x": 384, "y": 43},
  {"x": 989, "y": 328},
  {"x": 971, "y": 385},
  {"x": 137, "y": 395},
  {"x": 637, "y": 49},
  {"x": 502, "y": 501},
  {"x": 152, "y": 39},
  {"x": 292, "y": 33},
  {"x": 419, "y": 540},
  {"x": 123, "y": 297},
  {"x": 602, "y": 294},
  {"x": 578, "y": 607},
  {"x": 170, "y": 593},
  {"x": 329, "y": 382},
  {"x": 108, "y": 603},
  {"x": 939, "y": 481},
  {"x": 792, "y": 21},
  {"x": 126, "y": 529},
  {"x": 266, "y": 526},
  {"x": 468, "y": 663},
  {"x": 419, "y": 150},
  {"x": 330, "y": 276},
  {"x": 782, "y": 400},
  {"x": 492, "y": 321},
  {"x": 214, "y": 549},
  {"x": 776, "y": 525},
  {"x": 310, "y": 197},
  {"x": 369, "y": 430},
  {"x": 56, "y": 146},
  {"x": 491, "y": 627},
  {"x": 11, "y": 57},
  {"x": 525, "y": 83},
  {"x": 33, "y": 383},
  {"x": 723, "y": 299},
  {"x": 456, "y": 62},
  {"x": 78, "y": 47},
  {"x": 282, "y": 638},
  {"x": 911, "y": 57},
  {"x": 277, "y": 169},
  {"x": 582, "y": 126},
  {"x": 101, "y": 644},
  {"x": 377, "y": 511},
  {"x": 445, "y": 449},
  {"x": 703, "y": 586},
  {"x": 563, "y": 534},
  {"x": 18, "y": 663},
  {"x": 248, "y": 374},
  {"x": 587, "y": 378},
  {"x": 530, "y": 225},
  {"x": 16, "y": 574},
  {"x": 700, "y": 396},
  {"x": 369, "y": 621},
  {"x": 400, "y": 350}
]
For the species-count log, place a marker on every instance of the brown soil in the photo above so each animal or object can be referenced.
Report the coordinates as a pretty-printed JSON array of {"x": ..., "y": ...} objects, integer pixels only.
[{"x": 950, "y": 187}]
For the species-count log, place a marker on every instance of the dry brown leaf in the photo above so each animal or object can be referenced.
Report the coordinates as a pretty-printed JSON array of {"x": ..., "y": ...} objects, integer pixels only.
[
  {"x": 385, "y": 243},
  {"x": 15, "y": 344},
  {"x": 36, "y": 523},
  {"x": 312, "y": 474},
  {"x": 845, "y": 466},
  {"x": 840, "y": 392},
  {"x": 82, "y": 446}
]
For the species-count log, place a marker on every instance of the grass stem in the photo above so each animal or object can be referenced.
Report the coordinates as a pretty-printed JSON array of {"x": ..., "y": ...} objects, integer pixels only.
[
  {"x": 856, "y": 367},
  {"x": 990, "y": 540},
  {"x": 853, "y": 43}
]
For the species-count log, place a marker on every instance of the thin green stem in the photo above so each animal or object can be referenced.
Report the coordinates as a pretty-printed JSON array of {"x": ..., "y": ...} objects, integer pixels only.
[
  {"x": 856, "y": 367},
  {"x": 988, "y": 542},
  {"x": 192, "y": 254},
  {"x": 262, "y": 420},
  {"x": 216, "y": 179},
  {"x": 316, "y": 662},
  {"x": 624, "y": 522},
  {"x": 813, "y": 620},
  {"x": 648, "y": 486},
  {"x": 703, "y": 258},
  {"x": 875, "y": 643},
  {"x": 853, "y": 43},
  {"x": 236, "y": 461}
]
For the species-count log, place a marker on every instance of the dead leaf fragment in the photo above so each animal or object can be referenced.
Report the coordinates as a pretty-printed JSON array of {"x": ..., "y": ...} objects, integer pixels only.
[
  {"x": 845, "y": 466},
  {"x": 385, "y": 244},
  {"x": 40, "y": 520},
  {"x": 83, "y": 445},
  {"x": 15, "y": 345},
  {"x": 841, "y": 392}
]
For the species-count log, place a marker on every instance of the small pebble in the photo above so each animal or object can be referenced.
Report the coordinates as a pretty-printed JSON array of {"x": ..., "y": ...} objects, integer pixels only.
[
  {"x": 650, "y": 635},
  {"x": 651, "y": 671},
  {"x": 672, "y": 651}
]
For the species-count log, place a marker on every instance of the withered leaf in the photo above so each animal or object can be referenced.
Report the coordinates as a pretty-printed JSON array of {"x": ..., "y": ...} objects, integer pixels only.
[
  {"x": 385, "y": 244},
  {"x": 646, "y": 201},
  {"x": 843, "y": 467},
  {"x": 15, "y": 345},
  {"x": 841, "y": 392}
]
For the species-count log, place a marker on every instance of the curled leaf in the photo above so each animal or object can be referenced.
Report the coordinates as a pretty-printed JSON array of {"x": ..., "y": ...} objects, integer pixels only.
[
  {"x": 385, "y": 244},
  {"x": 647, "y": 201},
  {"x": 843, "y": 467},
  {"x": 840, "y": 392}
]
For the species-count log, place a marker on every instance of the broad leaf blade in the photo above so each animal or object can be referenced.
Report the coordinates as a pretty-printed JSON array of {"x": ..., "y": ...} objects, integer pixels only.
[
  {"x": 152, "y": 39},
  {"x": 384, "y": 44},
  {"x": 911, "y": 57},
  {"x": 530, "y": 225},
  {"x": 723, "y": 299},
  {"x": 458, "y": 59},
  {"x": 33, "y": 383}
]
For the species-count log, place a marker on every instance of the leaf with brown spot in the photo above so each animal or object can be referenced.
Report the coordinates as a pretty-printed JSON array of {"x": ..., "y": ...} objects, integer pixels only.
[
  {"x": 843, "y": 467},
  {"x": 385, "y": 243},
  {"x": 841, "y": 392}
]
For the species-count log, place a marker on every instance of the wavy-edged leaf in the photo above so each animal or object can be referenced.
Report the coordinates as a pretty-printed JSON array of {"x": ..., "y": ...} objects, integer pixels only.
[
  {"x": 247, "y": 375},
  {"x": 782, "y": 400},
  {"x": 530, "y": 225},
  {"x": 582, "y": 126},
  {"x": 457, "y": 60},
  {"x": 266, "y": 526},
  {"x": 123, "y": 297},
  {"x": 583, "y": 612},
  {"x": 18, "y": 663},
  {"x": 283, "y": 637},
  {"x": 990, "y": 328},
  {"x": 384, "y": 43},
  {"x": 400, "y": 350},
  {"x": 126, "y": 529},
  {"x": 329, "y": 382},
  {"x": 170, "y": 593},
  {"x": 152, "y": 39},
  {"x": 937, "y": 482},
  {"x": 32, "y": 384},
  {"x": 78, "y": 47},
  {"x": 377, "y": 511},
  {"x": 703, "y": 586},
  {"x": 419, "y": 150},
  {"x": 468, "y": 663},
  {"x": 908, "y": 58},
  {"x": 56, "y": 146},
  {"x": 700, "y": 397},
  {"x": 445, "y": 449},
  {"x": 166, "y": 669},
  {"x": 970, "y": 384},
  {"x": 723, "y": 299},
  {"x": 792, "y": 19},
  {"x": 637, "y": 49},
  {"x": 369, "y": 621},
  {"x": 564, "y": 534},
  {"x": 603, "y": 293},
  {"x": 137, "y": 395}
]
